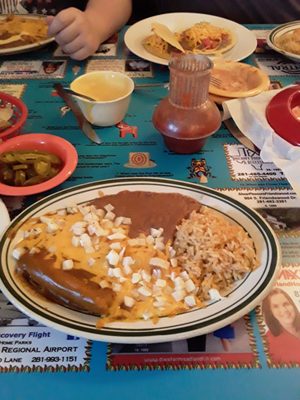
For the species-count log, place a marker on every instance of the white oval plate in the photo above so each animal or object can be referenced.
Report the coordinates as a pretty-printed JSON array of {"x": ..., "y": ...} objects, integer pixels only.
[
  {"x": 4, "y": 217},
  {"x": 279, "y": 31},
  {"x": 246, "y": 40},
  {"x": 27, "y": 47},
  {"x": 244, "y": 296}
]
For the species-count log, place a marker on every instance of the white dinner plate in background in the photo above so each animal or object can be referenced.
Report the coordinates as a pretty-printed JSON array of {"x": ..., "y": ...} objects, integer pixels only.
[
  {"x": 4, "y": 217},
  {"x": 245, "y": 45},
  {"x": 26, "y": 47},
  {"x": 279, "y": 31}
]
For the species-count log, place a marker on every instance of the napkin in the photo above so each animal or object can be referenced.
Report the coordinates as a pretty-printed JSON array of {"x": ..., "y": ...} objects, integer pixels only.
[{"x": 249, "y": 116}]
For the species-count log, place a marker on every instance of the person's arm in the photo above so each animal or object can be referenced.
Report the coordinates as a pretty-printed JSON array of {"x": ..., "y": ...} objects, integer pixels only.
[{"x": 79, "y": 33}]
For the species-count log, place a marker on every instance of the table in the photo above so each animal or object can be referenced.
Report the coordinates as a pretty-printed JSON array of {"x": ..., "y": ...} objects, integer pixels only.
[{"x": 260, "y": 186}]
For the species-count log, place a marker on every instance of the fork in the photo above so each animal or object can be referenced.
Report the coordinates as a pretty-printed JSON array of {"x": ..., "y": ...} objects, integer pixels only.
[{"x": 215, "y": 82}]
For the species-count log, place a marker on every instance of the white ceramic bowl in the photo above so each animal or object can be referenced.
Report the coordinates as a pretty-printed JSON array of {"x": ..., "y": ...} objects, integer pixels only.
[
  {"x": 112, "y": 91},
  {"x": 278, "y": 32}
]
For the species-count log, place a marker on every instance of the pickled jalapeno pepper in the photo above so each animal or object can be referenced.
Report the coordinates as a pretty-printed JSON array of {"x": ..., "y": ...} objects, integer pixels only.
[{"x": 28, "y": 167}]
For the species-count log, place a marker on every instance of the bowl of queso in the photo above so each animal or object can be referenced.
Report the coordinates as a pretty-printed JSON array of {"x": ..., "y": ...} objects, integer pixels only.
[{"x": 111, "y": 92}]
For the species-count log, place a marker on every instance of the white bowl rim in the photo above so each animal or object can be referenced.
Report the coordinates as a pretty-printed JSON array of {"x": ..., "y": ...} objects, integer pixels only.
[
  {"x": 280, "y": 30},
  {"x": 122, "y": 74}
]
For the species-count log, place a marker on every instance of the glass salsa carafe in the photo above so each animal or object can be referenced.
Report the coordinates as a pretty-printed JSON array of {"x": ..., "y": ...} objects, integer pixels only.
[{"x": 187, "y": 116}]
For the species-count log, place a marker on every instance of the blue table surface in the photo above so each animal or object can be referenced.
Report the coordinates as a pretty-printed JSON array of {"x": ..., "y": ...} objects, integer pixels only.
[{"x": 234, "y": 384}]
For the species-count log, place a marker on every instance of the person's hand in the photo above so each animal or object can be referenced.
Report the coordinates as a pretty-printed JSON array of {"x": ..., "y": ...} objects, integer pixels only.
[{"x": 76, "y": 32}]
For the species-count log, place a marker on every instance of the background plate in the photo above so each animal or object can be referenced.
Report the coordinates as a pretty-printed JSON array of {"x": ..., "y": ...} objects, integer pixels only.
[
  {"x": 27, "y": 47},
  {"x": 279, "y": 31},
  {"x": 4, "y": 217},
  {"x": 244, "y": 296},
  {"x": 246, "y": 40}
]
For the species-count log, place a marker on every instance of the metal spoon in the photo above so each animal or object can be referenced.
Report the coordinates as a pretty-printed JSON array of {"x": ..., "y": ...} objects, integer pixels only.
[{"x": 70, "y": 91}]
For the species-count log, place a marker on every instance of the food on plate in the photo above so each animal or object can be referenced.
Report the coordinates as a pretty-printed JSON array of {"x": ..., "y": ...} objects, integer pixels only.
[
  {"x": 236, "y": 79},
  {"x": 6, "y": 112},
  {"x": 164, "y": 32},
  {"x": 19, "y": 30},
  {"x": 157, "y": 46},
  {"x": 201, "y": 38},
  {"x": 206, "y": 38},
  {"x": 28, "y": 167},
  {"x": 289, "y": 41},
  {"x": 134, "y": 255}
]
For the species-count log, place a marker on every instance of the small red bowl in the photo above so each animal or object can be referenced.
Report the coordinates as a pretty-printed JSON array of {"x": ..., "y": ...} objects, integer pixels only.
[
  {"x": 41, "y": 142},
  {"x": 18, "y": 118},
  {"x": 280, "y": 114}
]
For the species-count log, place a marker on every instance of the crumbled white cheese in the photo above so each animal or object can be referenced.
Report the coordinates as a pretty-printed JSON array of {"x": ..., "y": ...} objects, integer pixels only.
[
  {"x": 115, "y": 246},
  {"x": 128, "y": 301},
  {"x": 137, "y": 242},
  {"x": 184, "y": 275},
  {"x": 110, "y": 216},
  {"x": 117, "y": 272},
  {"x": 34, "y": 250},
  {"x": 127, "y": 270},
  {"x": 116, "y": 236},
  {"x": 159, "y": 262},
  {"x": 84, "y": 209},
  {"x": 190, "y": 301},
  {"x": 159, "y": 245},
  {"x": 67, "y": 265},
  {"x": 172, "y": 252},
  {"x": 189, "y": 286},
  {"x": 91, "y": 261},
  {"x": 179, "y": 283},
  {"x": 45, "y": 220},
  {"x": 136, "y": 277},
  {"x": 147, "y": 315},
  {"x": 144, "y": 291},
  {"x": 107, "y": 224},
  {"x": 116, "y": 287},
  {"x": 110, "y": 272},
  {"x": 52, "y": 249},
  {"x": 127, "y": 261},
  {"x": 113, "y": 257},
  {"x": 178, "y": 295},
  {"x": 104, "y": 284},
  {"x": 109, "y": 207},
  {"x": 214, "y": 294},
  {"x": 146, "y": 277},
  {"x": 72, "y": 210},
  {"x": 156, "y": 273},
  {"x": 150, "y": 240},
  {"x": 118, "y": 221},
  {"x": 156, "y": 232},
  {"x": 75, "y": 241},
  {"x": 159, "y": 302},
  {"x": 89, "y": 249},
  {"x": 85, "y": 240},
  {"x": 18, "y": 252},
  {"x": 52, "y": 227},
  {"x": 173, "y": 262},
  {"x": 62, "y": 212},
  {"x": 161, "y": 283},
  {"x": 91, "y": 217}
]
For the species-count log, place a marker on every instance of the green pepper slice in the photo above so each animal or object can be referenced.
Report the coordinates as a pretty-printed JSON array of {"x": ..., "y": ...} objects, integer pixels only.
[{"x": 42, "y": 167}]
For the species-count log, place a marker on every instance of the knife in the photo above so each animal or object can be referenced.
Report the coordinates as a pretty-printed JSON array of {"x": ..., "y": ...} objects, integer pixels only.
[
  {"x": 82, "y": 121},
  {"x": 235, "y": 131}
]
